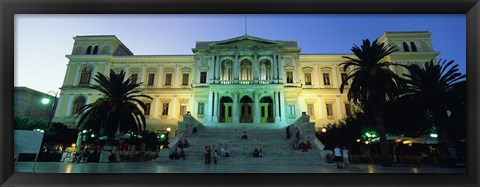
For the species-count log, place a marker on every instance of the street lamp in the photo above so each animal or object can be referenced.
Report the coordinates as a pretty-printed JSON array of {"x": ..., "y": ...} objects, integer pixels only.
[{"x": 46, "y": 100}]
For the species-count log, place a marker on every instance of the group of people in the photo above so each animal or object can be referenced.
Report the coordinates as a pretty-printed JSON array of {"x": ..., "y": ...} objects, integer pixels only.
[
  {"x": 301, "y": 145},
  {"x": 258, "y": 153},
  {"x": 177, "y": 155},
  {"x": 210, "y": 155},
  {"x": 341, "y": 157},
  {"x": 182, "y": 144}
]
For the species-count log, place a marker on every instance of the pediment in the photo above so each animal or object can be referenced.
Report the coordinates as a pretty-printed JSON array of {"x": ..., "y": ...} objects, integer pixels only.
[{"x": 246, "y": 40}]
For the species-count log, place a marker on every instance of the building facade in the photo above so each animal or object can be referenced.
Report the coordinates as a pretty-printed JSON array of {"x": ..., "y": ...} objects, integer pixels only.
[
  {"x": 245, "y": 79},
  {"x": 28, "y": 103}
]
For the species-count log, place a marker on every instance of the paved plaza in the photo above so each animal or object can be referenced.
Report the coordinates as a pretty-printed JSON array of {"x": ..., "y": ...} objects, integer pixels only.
[{"x": 184, "y": 167}]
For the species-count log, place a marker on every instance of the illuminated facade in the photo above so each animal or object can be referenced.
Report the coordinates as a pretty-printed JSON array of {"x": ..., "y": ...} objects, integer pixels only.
[{"x": 244, "y": 79}]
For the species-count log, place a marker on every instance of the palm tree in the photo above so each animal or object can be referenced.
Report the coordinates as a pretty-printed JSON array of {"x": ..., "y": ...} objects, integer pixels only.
[
  {"x": 373, "y": 84},
  {"x": 436, "y": 88},
  {"x": 116, "y": 111}
]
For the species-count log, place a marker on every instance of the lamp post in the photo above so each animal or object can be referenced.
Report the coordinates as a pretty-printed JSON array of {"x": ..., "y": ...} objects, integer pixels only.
[{"x": 46, "y": 100}]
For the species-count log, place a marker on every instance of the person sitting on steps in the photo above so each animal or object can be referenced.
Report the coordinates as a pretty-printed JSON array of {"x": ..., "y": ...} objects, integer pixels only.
[
  {"x": 255, "y": 152},
  {"x": 260, "y": 153},
  {"x": 244, "y": 136}
]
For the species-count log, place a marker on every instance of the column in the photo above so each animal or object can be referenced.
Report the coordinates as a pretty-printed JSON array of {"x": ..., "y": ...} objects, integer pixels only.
[
  {"x": 320, "y": 107},
  {"x": 173, "y": 109},
  {"x": 256, "y": 109},
  {"x": 77, "y": 75},
  {"x": 296, "y": 71},
  {"x": 217, "y": 71},
  {"x": 276, "y": 103},
  {"x": 300, "y": 106},
  {"x": 177, "y": 78},
  {"x": 235, "y": 108},
  {"x": 339, "y": 107},
  {"x": 143, "y": 76},
  {"x": 196, "y": 72},
  {"x": 274, "y": 67},
  {"x": 335, "y": 76},
  {"x": 191, "y": 103},
  {"x": 156, "y": 107},
  {"x": 281, "y": 70},
  {"x": 215, "y": 107},
  {"x": 317, "y": 75},
  {"x": 236, "y": 69},
  {"x": 105, "y": 71},
  {"x": 209, "y": 108},
  {"x": 59, "y": 102},
  {"x": 69, "y": 106},
  {"x": 255, "y": 68},
  {"x": 282, "y": 107},
  {"x": 160, "y": 76},
  {"x": 127, "y": 71}
]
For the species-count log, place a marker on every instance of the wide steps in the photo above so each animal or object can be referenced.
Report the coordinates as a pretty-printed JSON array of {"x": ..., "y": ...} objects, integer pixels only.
[{"x": 271, "y": 139}]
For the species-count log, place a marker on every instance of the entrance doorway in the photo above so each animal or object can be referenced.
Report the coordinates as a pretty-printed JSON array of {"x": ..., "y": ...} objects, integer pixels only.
[
  {"x": 226, "y": 106},
  {"x": 246, "y": 110},
  {"x": 266, "y": 110}
]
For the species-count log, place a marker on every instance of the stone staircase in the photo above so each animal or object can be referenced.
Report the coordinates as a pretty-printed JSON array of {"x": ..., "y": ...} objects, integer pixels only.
[{"x": 271, "y": 138}]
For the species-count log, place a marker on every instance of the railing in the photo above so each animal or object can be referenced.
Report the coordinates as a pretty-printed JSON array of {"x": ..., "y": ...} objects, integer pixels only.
[
  {"x": 307, "y": 132},
  {"x": 276, "y": 81}
]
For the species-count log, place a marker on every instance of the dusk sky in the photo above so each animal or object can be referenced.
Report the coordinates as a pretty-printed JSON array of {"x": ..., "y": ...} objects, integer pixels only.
[{"x": 42, "y": 41}]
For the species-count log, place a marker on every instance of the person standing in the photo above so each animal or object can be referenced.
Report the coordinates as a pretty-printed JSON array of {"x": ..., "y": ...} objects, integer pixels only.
[
  {"x": 345, "y": 154},
  {"x": 338, "y": 156},
  {"x": 215, "y": 155}
]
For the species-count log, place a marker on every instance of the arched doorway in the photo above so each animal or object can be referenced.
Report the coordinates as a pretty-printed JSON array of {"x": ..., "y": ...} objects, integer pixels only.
[
  {"x": 246, "y": 110},
  {"x": 266, "y": 110},
  {"x": 226, "y": 113}
]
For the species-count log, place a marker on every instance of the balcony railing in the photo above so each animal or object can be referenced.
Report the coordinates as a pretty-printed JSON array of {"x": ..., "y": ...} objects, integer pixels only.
[{"x": 277, "y": 81}]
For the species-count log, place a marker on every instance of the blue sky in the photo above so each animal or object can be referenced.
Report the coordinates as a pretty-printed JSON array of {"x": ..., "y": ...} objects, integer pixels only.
[{"x": 42, "y": 41}]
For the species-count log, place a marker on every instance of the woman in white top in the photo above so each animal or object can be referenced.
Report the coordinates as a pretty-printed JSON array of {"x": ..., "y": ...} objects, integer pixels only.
[
  {"x": 345, "y": 154},
  {"x": 338, "y": 156}
]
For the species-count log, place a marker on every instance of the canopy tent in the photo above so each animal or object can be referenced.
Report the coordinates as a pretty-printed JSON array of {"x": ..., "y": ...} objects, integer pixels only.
[
  {"x": 392, "y": 137},
  {"x": 425, "y": 139}
]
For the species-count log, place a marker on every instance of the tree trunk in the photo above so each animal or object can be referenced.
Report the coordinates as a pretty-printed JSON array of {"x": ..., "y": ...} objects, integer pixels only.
[
  {"x": 386, "y": 161},
  {"x": 442, "y": 121},
  {"x": 107, "y": 149}
]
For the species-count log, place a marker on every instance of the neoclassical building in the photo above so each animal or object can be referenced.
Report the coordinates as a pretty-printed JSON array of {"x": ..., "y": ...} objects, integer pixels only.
[{"x": 245, "y": 79}]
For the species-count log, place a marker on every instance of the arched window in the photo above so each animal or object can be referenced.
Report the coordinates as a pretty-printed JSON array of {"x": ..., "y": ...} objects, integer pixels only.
[
  {"x": 95, "y": 50},
  {"x": 227, "y": 70},
  {"x": 89, "y": 50},
  {"x": 246, "y": 71},
  {"x": 78, "y": 104},
  {"x": 265, "y": 69},
  {"x": 85, "y": 77},
  {"x": 414, "y": 47},
  {"x": 405, "y": 47}
]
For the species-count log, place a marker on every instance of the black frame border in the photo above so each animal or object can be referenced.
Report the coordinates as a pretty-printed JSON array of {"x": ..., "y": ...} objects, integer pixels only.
[{"x": 8, "y": 8}]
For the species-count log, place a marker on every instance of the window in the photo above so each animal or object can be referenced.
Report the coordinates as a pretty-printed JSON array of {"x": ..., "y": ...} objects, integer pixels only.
[
  {"x": 165, "y": 109},
  {"x": 89, "y": 50},
  {"x": 168, "y": 79},
  {"x": 414, "y": 47},
  {"x": 95, "y": 50},
  {"x": 201, "y": 107},
  {"x": 405, "y": 47},
  {"x": 348, "y": 109},
  {"x": 78, "y": 104},
  {"x": 147, "y": 109},
  {"x": 326, "y": 79},
  {"x": 151, "y": 78},
  {"x": 134, "y": 78},
  {"x": 329, "y": 110},
  {"x": 310, "y": 110},
  {"x": 203, "y": 77},
  {"x": 344, "y": 78},
  {"x": 85, "y": 76},
  {"x": 291, "y": 110},
  {"x": 308, "y": 79},
  {"x": 185, "y": 79},
  {"x": 289, "y": 77}
]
